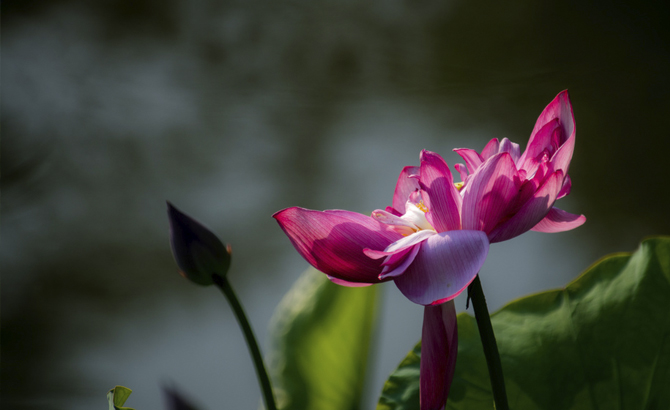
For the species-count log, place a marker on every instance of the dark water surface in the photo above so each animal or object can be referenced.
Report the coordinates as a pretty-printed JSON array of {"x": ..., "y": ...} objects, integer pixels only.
[{"x": 234, "y": 110}]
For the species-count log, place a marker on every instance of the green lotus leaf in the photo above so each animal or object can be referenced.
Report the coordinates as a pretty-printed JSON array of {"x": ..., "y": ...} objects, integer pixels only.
[{"x": 602, "y": 342}]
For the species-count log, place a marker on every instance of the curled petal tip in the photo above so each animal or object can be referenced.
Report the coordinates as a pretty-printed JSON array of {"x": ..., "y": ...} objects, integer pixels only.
[{"x": 557, "y": 220}]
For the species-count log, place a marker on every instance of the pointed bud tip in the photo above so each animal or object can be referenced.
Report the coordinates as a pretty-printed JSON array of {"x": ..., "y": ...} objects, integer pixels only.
[{"x": 196, "y": 250}]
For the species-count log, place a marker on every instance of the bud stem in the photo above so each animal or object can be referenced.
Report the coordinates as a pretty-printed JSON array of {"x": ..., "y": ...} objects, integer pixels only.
[
  {"x": 476, "y": 294},
  {"x": 263, "y": 379}
]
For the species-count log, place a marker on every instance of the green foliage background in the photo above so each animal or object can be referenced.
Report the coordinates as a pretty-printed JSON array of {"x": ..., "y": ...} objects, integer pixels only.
[
  {"x": 602, "y": 342},
  {"x": 320, "y": 340}
]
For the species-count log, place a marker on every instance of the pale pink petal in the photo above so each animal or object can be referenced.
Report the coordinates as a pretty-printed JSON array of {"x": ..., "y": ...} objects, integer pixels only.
[
  {"x": 491, "y": 148},
  {"x": 441, "y": 197},
  {"x": 333, "y": 241},
  {"x": 557, "y": 220},
  {"x": 400, "y": 245},
  {"x": 439, "y": 346},
  {"x": 402, "y": 226},
  {"x": 388, "y": 218},
  {"x": 511, "y": 148},
  {"x": 489, "y": 193},
  {"x": 472, "y": 159},
  {"x": 532, "y": 212},
  {"x": 404, "y": 187},
  {"x": 347, "y": 284},
  {"x": 444, "y": 267}
]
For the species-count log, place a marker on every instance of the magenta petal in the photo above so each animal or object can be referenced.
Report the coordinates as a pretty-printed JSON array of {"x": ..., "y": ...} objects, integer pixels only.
[
  {"x": 442, "y": 199},
  {"x": 395, "y": 258},
  {"x": 561, "y": 108},
  {"x": 557, "y": 220},
  {"x": 490, "y": 149},
  {"x": 562, "y": 157},
  {"x": 532, "y": 212},
  {"x": 567, "y": 186},
  {"x": 445, "y": 265},
  {"x": 489, "y": 193},
  {"x": 539, "y": 142},
  {"x": 399, "y": 269},
  {"x": 404, "y": 187},
  {"x": 472, "y": 159},
  {"x": 439, "y": 346},
  {"x": 333, "y": 241}
]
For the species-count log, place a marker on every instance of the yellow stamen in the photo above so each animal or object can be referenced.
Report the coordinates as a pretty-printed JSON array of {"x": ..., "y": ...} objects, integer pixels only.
[
  {"x": 422, "y": 206},
  {"x": 458, "y": 185}
]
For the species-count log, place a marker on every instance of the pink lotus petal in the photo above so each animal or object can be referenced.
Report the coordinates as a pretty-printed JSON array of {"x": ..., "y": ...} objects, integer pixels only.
[
  {"x": 399, "y": 269},
  {"x": 439, "y": 347},
  {"x": 400, "y": 245},
  {"x": 347, "y": 284},
  {"x": 557, "y": 220},
  {"x": 395, "y": 258},
  {"x": 561, "y": 159},
  {"x": 402, "y": 226},
  {"x": 388, "y": 218},
  {"x": 511, "y": 148},
  {"x": 444, "y": 267},
  {"x": 491, "y": 148},
  {"x": 462, "y": 170},
  {"x": 404, "y": 187},
  {"x": 472, "y": 159},
  {"x": 567, "y": 186},
  {"x": 539, "y": 143},
  {"x": 489, "y": 193},
  {"x": 560, "y": 108},
  {"x": 442, "y": 198},
  {"x": 392, "y": 211},
  {"x": 532, "y": 212},
  {"x": 333, "y": 241}
]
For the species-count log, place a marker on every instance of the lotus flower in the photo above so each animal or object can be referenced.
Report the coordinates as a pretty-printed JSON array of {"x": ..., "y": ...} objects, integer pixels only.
[
  {"x": 434, "y": 238},
  {"x": 506, "y": 193},
  {"x": 417, "y": 242}
]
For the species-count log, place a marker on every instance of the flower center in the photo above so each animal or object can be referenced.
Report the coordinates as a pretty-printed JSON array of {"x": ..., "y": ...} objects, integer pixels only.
[{"x": 415, "y": 213}]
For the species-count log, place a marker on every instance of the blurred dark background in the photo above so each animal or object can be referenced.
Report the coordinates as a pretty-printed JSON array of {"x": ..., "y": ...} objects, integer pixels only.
[{"x": 236, "y": 109}]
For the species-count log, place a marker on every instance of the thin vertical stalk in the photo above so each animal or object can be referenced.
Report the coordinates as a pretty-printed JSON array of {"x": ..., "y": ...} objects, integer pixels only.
[
  {"x": 489, "y": 344},
  {"x": 263, "y": 379}
]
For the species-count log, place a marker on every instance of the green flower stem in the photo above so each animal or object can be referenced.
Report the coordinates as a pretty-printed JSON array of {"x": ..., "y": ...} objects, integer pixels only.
[
  {"x": 262, "y": 374},
  {"x": 489, "y": 344}
]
